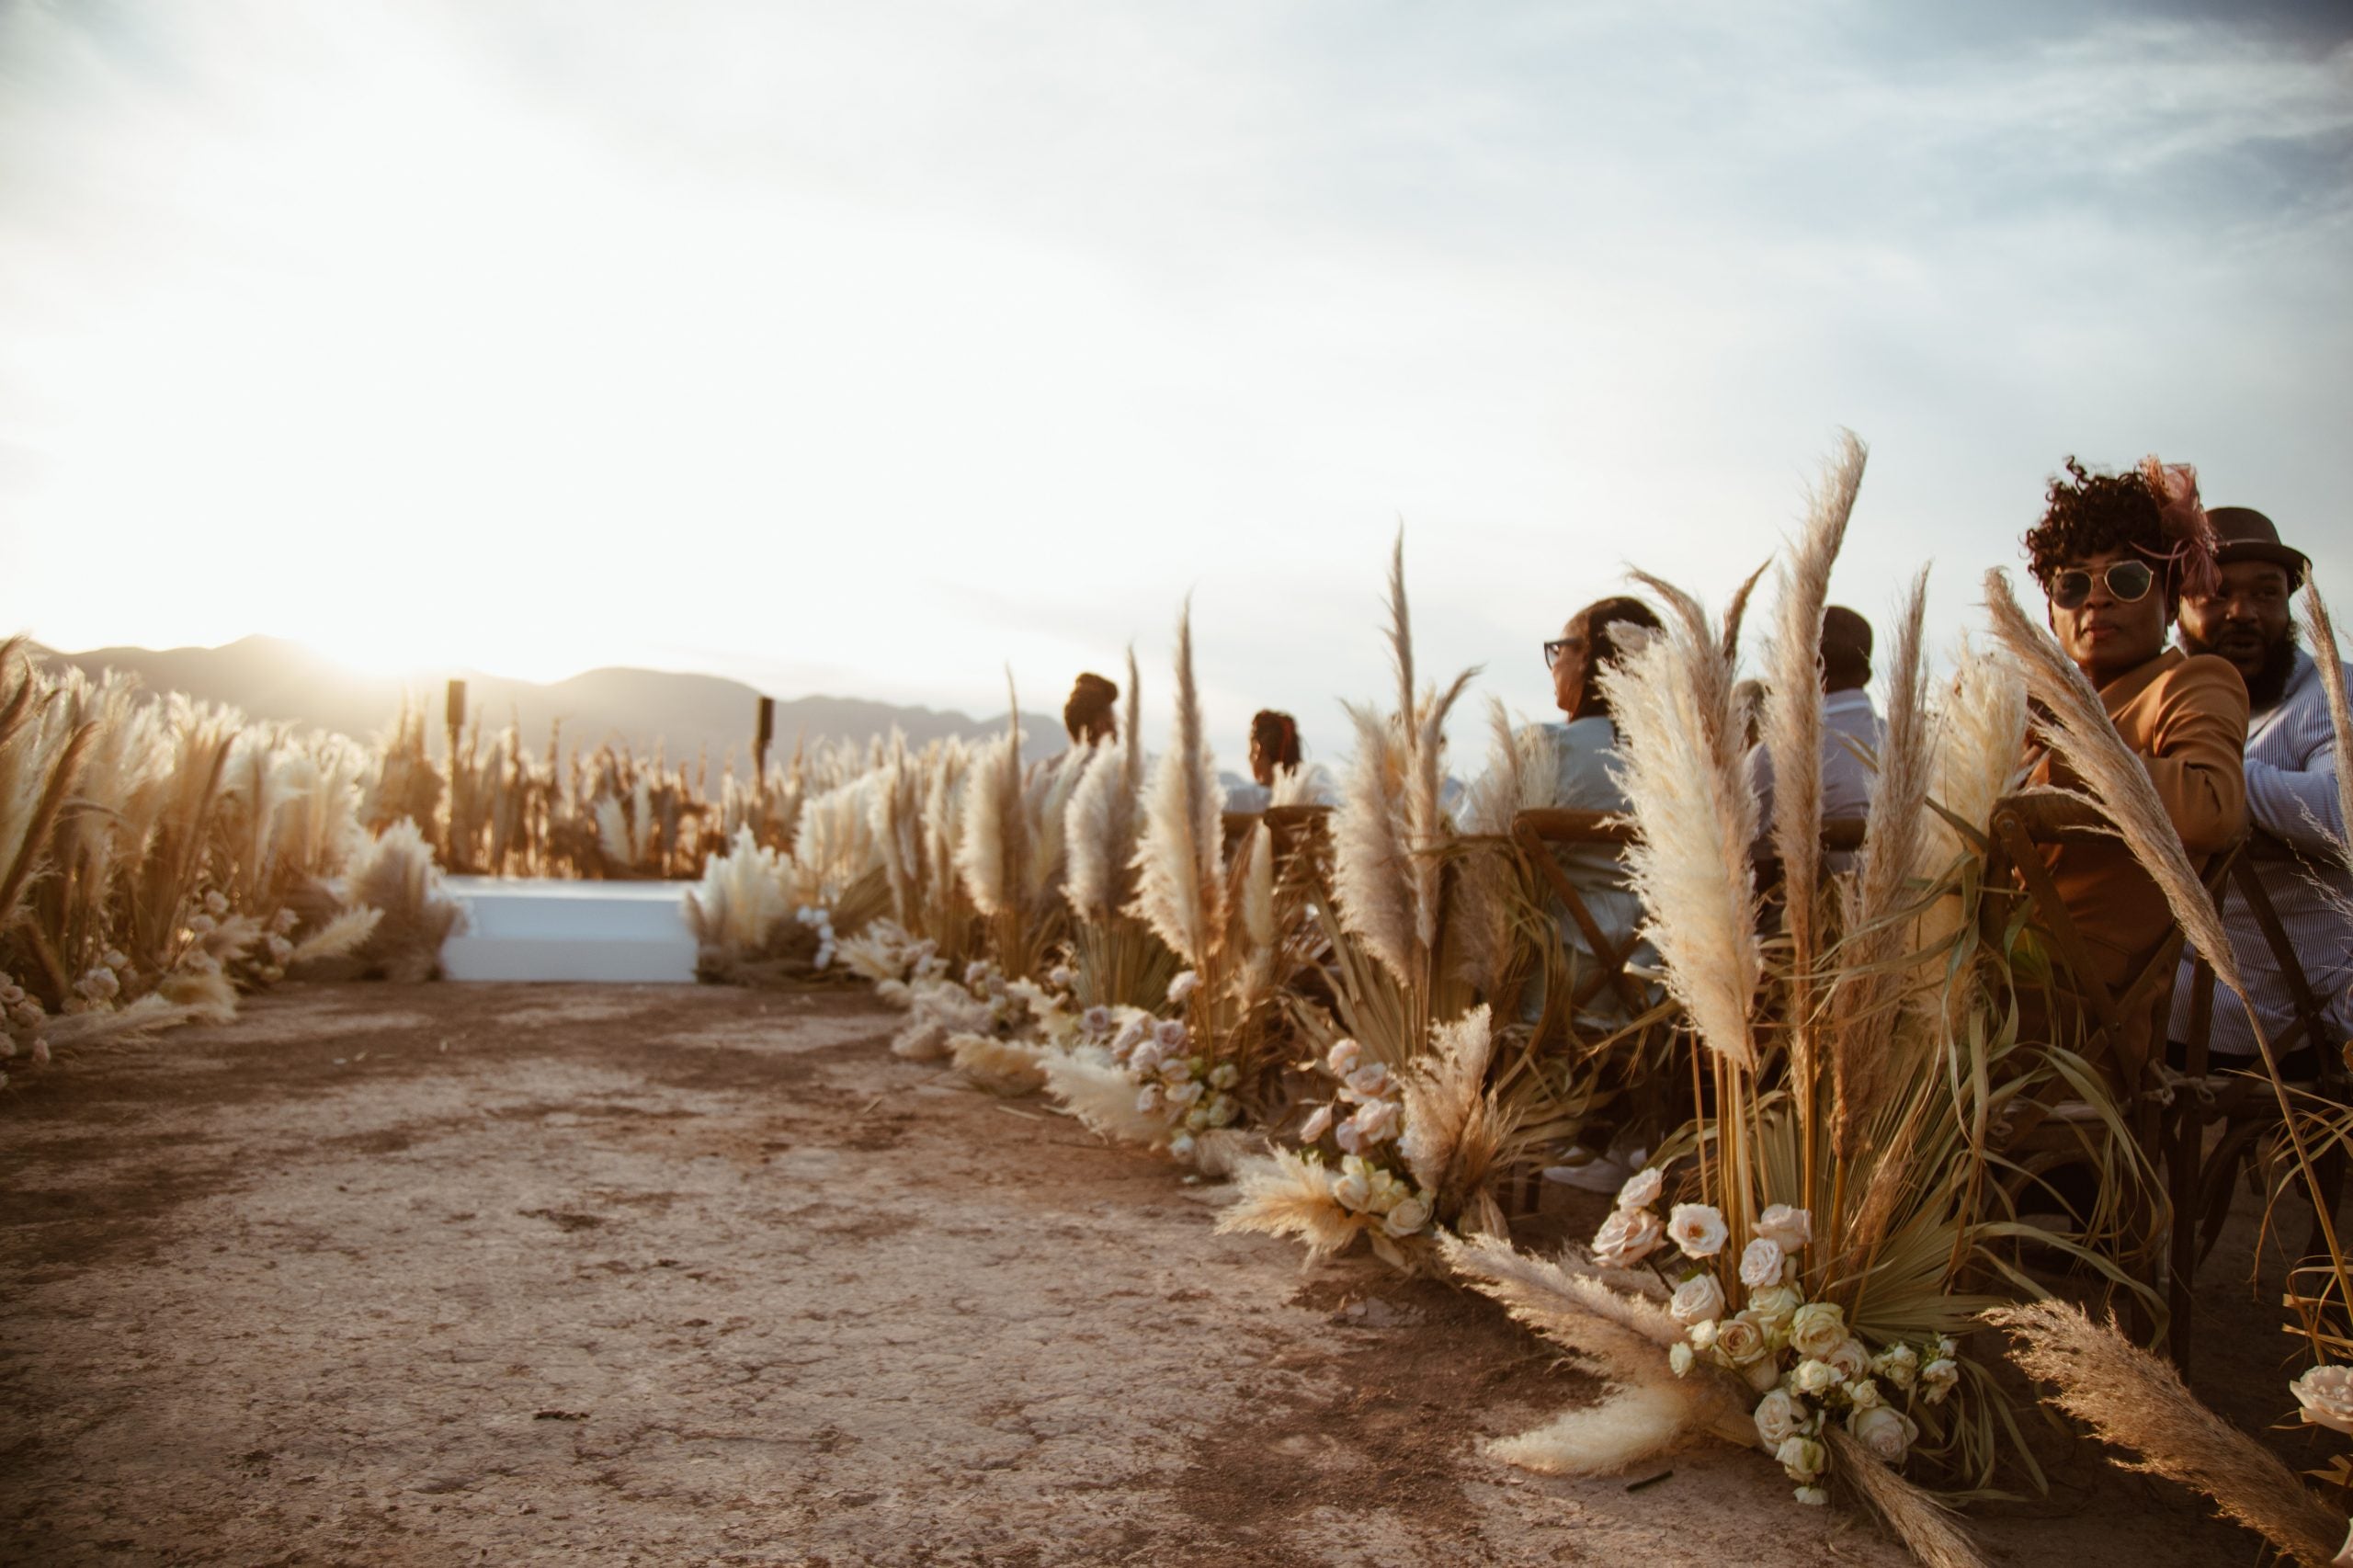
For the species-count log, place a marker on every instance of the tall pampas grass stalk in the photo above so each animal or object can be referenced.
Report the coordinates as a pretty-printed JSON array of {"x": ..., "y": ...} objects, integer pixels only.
[
  {"x": 2322, "y": 637},
  {"x": 1180, "y": 865},
  {"x": 2082, "y": 736},
  {"x": 1695, "y": 818},
  {"x": 1918, "y": 1520},
  {"x": 1792, "y": 734},
  {"x": 2135, "y": 1400},
  {"x": 1454, "y": 1132}
]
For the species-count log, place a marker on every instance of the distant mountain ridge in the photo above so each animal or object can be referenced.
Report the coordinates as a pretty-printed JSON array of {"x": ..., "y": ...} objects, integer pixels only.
[{"x": 688, "y": 715}]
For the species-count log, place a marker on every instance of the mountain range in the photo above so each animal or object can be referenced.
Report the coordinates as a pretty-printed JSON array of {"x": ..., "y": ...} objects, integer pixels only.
[{"x": 688, "y": 715}]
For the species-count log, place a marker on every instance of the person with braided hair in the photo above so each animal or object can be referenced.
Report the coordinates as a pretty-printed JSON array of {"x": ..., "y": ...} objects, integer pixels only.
[{"x": 1090, "y": 715}]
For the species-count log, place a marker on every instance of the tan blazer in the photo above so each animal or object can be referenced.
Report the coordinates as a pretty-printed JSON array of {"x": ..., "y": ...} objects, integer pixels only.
[{"x": 2186, "y": 718}]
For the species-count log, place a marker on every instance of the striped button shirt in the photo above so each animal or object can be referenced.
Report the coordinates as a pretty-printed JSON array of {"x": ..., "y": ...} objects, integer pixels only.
[{"x": 2292, "y": 805}]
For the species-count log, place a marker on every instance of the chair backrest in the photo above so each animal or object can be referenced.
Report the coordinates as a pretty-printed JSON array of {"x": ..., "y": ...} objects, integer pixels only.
[
  {"x": 2310, "y": 1021},
  {"x": 2022, "y": 828},
  {"x": 1536, "y": 832}
]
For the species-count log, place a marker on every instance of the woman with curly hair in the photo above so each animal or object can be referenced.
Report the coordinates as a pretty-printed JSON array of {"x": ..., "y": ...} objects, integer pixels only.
[
  {"x": 2114, "y": 554},
  {"x": 1090, "y": 715}
]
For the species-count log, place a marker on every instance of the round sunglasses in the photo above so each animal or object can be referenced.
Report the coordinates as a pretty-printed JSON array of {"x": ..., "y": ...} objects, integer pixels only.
[{"x": 2129, "y": 582}]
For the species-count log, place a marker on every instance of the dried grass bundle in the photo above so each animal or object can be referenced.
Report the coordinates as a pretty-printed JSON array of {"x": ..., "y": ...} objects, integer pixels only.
[
  {"x": 1005, "y": 1066},
  {"x": 1454, "y": 1132},
  {"x": 1102, "y": 1096},
  {"x": 1695, "y": 817},
  {"x": 1919, "y": 1521},
  {"x": 1288, "y": 1195},
  {"x": 1180, "y": 863},
  {"x": 395, "y": 875},
  {"x": 2136, "y": 1402}
]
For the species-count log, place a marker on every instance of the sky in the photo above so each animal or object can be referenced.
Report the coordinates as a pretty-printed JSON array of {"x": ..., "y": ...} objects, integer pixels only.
[{"x": 878, "y": 349}]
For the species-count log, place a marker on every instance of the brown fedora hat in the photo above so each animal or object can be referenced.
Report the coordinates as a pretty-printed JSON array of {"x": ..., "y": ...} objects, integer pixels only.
[{"x": 2242, "y": 533}]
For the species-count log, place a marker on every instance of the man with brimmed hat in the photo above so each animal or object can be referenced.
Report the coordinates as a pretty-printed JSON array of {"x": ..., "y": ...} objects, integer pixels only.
[{"x": 2291, "y": 796}]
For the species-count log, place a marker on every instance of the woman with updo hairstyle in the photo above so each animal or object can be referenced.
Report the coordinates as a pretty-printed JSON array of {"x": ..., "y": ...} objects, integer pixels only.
[
  {"x": 1274, "y": 743},
  {"x": 1089, "y": 715}
]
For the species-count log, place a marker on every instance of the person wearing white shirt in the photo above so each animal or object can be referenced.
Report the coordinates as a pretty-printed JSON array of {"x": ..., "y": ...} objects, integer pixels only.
[
  {"x": 2294, "y": 813},
  {"x": 1851, "y": 729}
]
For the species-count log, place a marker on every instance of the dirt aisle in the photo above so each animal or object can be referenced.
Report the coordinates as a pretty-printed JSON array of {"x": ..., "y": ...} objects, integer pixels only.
[{"x": 510, "y": 1275}]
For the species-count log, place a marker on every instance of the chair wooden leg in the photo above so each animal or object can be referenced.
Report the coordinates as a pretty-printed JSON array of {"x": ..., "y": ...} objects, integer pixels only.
[{"x": 2184, "y": 1148}]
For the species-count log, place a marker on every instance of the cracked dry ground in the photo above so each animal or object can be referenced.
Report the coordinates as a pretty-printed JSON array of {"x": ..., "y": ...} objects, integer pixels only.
[{"x": 511, "y": 1274}]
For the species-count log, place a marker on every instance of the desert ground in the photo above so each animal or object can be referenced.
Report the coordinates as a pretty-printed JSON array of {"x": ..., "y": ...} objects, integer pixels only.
[{"x": 506, "y": 1275}]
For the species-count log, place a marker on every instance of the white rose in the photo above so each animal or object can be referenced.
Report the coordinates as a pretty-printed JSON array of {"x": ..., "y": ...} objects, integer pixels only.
[
  {"x": 1697, "y": 1300},
  {"x": 1354, "y": 1189},
  {"x": 1183, "y": 986},
  {"x": 1703, "y": 1335},
  {"x": 1375, "y": 1122},
  {"x": 1851, "y": 1359},
  {"x": 1627, "y": 1237},
  {"x": 1899, "y": 1364},
  {"x": 1224, "y": 1075},
  {"x": 1184, "y": 1093},
  {"x": 214, "y": 903},
  {"x": 2326, "y": 1396},
  {"x": 1095, "y": 1020},
  {"x": 1181, "y": 1145},
  {"x": 1788, "y": 1228},
  {"x": 1760, "y": 1263},
  {"x": 1176, "y": 1070},
  {"x": 1410, "y": 1215},
  {"x": 1801, "y": 1459},
  {"x": 1344, "y": 1058},
  {"x": 1197, "y": 1119},
  {"x": 1062, "y": 977},
  {"x": 1813, "y": 1496},
  {"x": 1349, "y": 1137},
  {"x": 1937, "y": 1378},
  {"x": 1817, "y": 1329},
  {"x": 1369, "y": 1080},
  {"x": 1779, "y": 1417},
  {"x": 1740, "y": 1341},
  {"x": 1317, "y": 1125},
  {"x": 1679, "y": 1358},
  {"x": 1222, "y": 1111},
  {"x": 1697, "y": 1229},
  {"x": 1169, "y": 1034},
  {"x": 1862, "y": 1394},
  {"x": 1148, "y": 1100},
  {"x": 1774, "y": 1306},
  {"x": 1816, "y": 1377},
  {"x": 1886, "y": 1431},
  {"x": 1642, "y": 1189}
]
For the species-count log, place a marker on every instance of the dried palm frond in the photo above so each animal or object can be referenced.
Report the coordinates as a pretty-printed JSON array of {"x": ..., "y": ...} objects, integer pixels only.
[
  {"x": 2136, "y": 1402},
  {"x": 1918, "y": 1520},
  {"x": 1180, "y": 864}
]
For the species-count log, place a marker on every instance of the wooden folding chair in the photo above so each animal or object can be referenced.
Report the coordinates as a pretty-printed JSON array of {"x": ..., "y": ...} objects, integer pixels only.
[
  {"x": 1537, "y": 832},
  {"x": 2057, "y": 1133},
  {"x": 2199, "y": 1179}
]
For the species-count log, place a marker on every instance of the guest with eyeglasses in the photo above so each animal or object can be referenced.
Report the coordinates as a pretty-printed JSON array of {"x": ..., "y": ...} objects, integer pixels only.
[{"x": 2115, "y": 555}]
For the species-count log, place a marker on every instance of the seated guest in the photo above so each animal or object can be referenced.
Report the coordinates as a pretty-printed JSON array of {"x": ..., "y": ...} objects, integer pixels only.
[
  {"x": 2292, "y": 800},
  {"x": 1277, "y": 775},
  {"x": 1851, "y": 729},
  {"x": 1569, "y": 765},
  {"x": 1089, "y": 715},
  {"x": 2115, "y": 554}
]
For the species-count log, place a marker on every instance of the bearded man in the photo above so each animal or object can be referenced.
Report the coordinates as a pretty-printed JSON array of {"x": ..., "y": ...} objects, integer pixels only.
[{"x": 2291, "y": 797}]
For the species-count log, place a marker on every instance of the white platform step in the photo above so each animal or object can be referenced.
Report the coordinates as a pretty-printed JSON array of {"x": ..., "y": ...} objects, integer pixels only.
[{"x": 522, "y": 930}]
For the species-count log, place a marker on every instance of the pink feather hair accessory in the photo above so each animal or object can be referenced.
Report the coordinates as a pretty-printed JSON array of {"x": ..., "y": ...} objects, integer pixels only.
[{"x": 2188, "y": 534}]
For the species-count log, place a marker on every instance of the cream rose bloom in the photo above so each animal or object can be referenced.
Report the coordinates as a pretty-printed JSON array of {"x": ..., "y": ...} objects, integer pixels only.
[
  {"x": 1937, "y": 1378},
  {"x": 1344, "y": 1057},
  {"x": 1697, "y": 1229},
  {"x": 1760, "y": 1263},
  {"x": 1813, "y": 1496},
  {"x": 1801, "y": 1459},
  {"x": 1627, "y": 1237},
  {"x": 1409, "y": 1215},
  {"x": 1789, "y": 1228},
  {"x": 1899, "y": 1364},
  {"x": 2326, "y": 1396},
  {"x": 1775, "y": 1305},
  {"x": 1679, "y": 1358},
  {"x": 1817, "y": 1329},
  {"x": 1816, "y": 1377},
  {"x": 1862, "y": 1394},
  {"x": 1703, "y": 1335},
  {"x": 1642, "y": 1189},
  {"x": 1886, "y": 1431},
  {"x": 1779, "y": 1417},
  {"x": 1740, "y": 1341},
  {"x": 1697, "y": 1300},
  {"x": 1353, "y": 1190},
  {"x": 1852, "y": 1359}
]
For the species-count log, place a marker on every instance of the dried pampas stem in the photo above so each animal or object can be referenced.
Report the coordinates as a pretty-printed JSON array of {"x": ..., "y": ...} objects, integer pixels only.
[
  {"x": 1180, "y": 867},
  {"x": 2340, "y": 715},
  {"x": 2133, "y": 1400},
  {"x": 1918, "y": 1520},
  {"x": 1284, "y": 1195}
]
